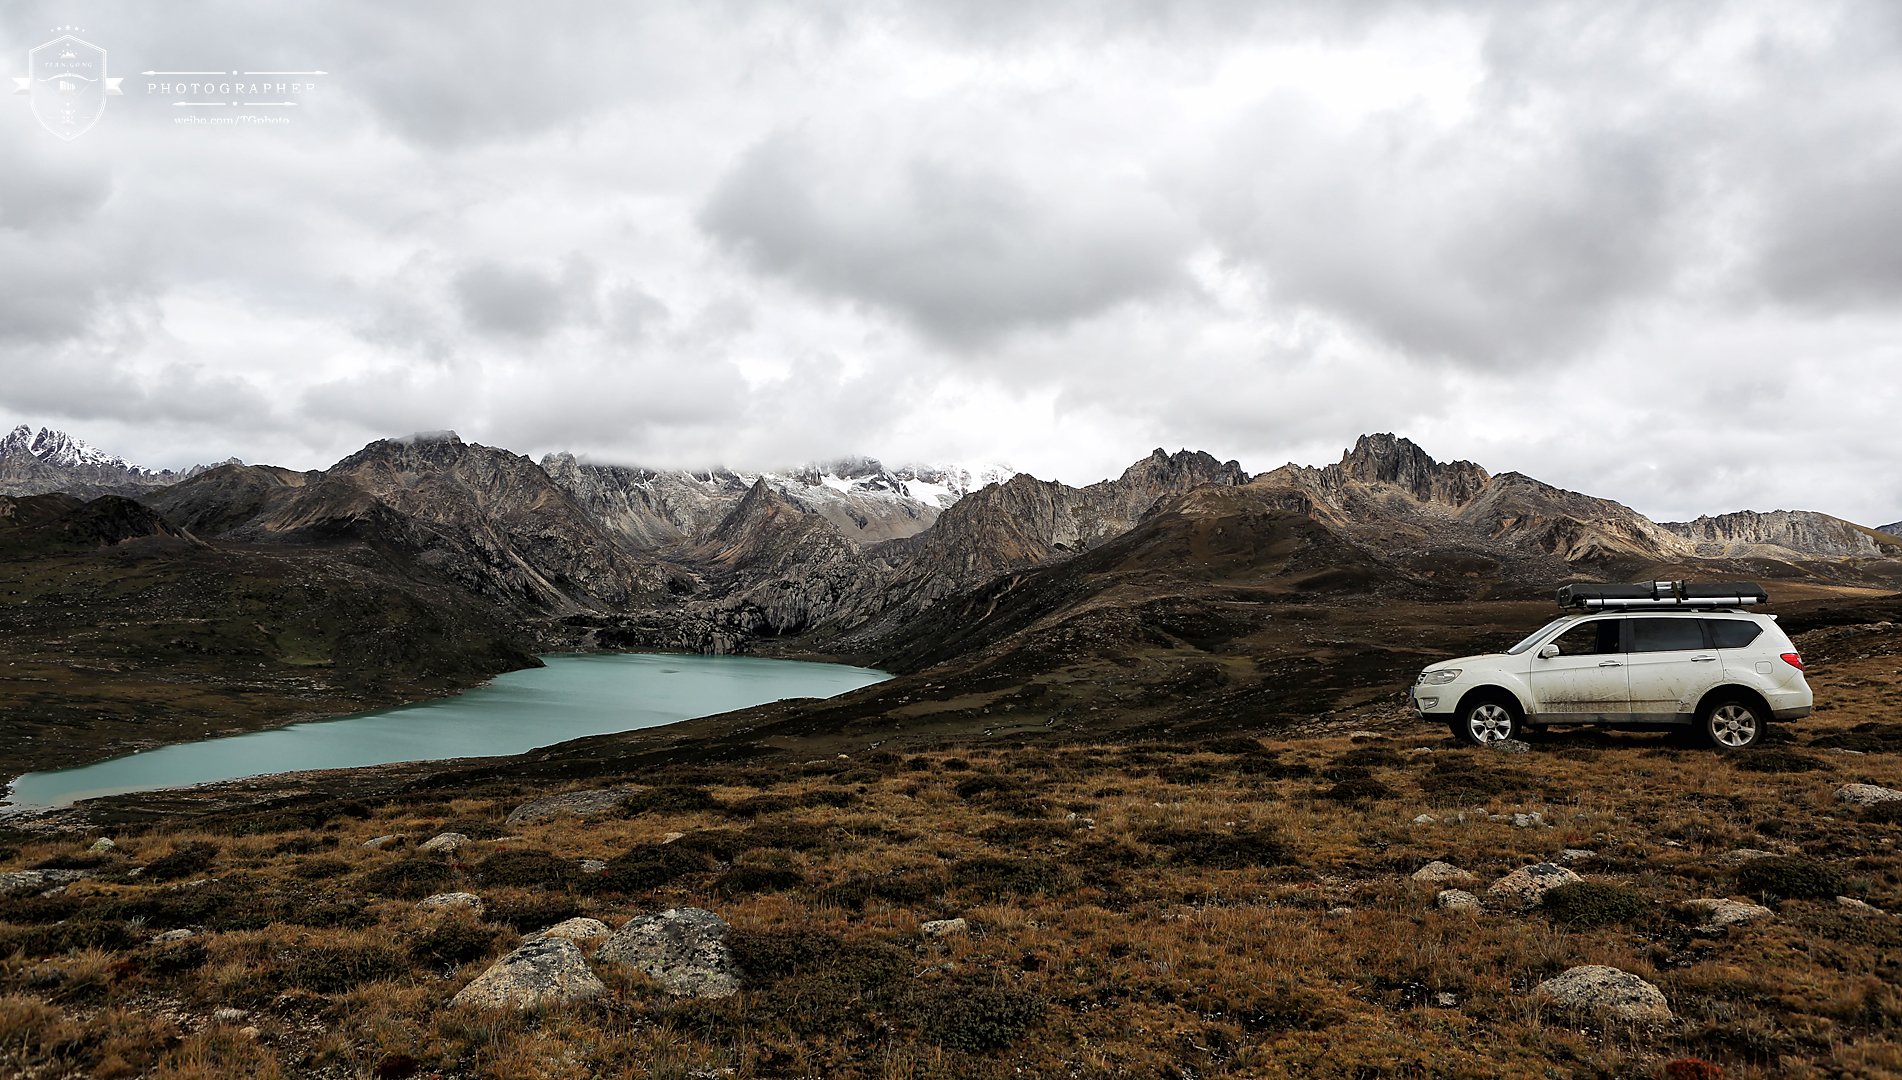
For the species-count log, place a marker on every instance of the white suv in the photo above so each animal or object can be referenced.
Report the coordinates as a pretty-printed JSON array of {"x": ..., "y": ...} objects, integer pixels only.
[{"x": 1725, "y": 671}]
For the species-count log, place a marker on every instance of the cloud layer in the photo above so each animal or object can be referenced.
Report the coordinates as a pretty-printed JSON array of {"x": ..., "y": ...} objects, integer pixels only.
[{"x": 1639, "y": 249}]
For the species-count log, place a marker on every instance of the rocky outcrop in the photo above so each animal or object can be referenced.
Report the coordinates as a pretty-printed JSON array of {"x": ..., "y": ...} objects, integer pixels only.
[
  {"x": 443, "y": 844},
  {"x": 1605, "y": 991},
  {"x": 1747, "y": 533},
  {"x": 452, "y": 901},
  {"x": 539, "y": 975},
  {"x": 47, "y": 461},
  {"x": 1391, "y": 460},
  {"x": 683, "y": 949},
  {"x": 1715, "y": 913},
  {"x": 581, "y": 930},
  {"x": 584, "y": 804}
]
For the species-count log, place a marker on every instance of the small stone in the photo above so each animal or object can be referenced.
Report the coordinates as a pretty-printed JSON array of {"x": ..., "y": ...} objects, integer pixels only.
[
  {"x": 584, "y": 804},
  {"x": 229, "y": 1015},
  {"x": 1445, "y": 1000},
  {"x": 537, "y": 975},
  {"x": 1594, "y": 988},
  {"x": 1856, "y": 905},
  {"x": 452, "y": 901},
  {"x": 22, "y": 880},
  {"x": 1745, "y": 854},
  {"x": 1845, "y": 751},
  {"x": 170, "y": 936},
  {"x": 1456, "y": 900},
  {"x": 378, "y": 843},
  {"x": 1525, "y": 886},
  {"x": 593, "y": 866},
  {"x": 580, "y": 930},
  {"x": 1720, "y": 913},
  {"x": 1437, "y": 872},
  {"x": 671, "y": 837},
  {"x": 938, "y": 928},
  {"x": 1425, "y": 819},
  {"x": 1572, "y": 854},
  {"x": 1866, "y": 794},
  {"x": 684, "y": 949},
  {"x": 102, "y": 846},
  {"x": 250, "y": 1031},
  {"x": 1339, "y": 912},
  {"x": 1508, "y": 746},
  {"x": 443, "y": 843},
  {"x": 1528, "y": 821}
]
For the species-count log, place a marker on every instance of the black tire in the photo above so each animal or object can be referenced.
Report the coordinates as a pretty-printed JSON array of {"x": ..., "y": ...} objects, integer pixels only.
[
  {"x": 1484, "y": 718},
  {"x": 1730, "y": 724}
]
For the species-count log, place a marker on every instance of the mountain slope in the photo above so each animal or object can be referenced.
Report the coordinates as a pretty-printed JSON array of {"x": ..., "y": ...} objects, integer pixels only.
[{"x": 1747, "y": 533}]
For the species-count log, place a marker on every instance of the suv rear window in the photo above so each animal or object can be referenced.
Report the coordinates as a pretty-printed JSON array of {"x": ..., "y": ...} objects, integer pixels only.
[
  {"x": 1732, "y": 633},
  {"x": 1666, "y": 635}
]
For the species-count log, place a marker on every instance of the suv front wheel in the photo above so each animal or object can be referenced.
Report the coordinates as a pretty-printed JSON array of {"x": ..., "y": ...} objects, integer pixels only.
[
  {"x": 1731, "y": 723},
  {"x": 1486, "y": 719}
]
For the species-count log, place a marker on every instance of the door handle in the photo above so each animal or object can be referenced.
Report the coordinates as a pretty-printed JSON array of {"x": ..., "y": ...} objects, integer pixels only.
[
  {"x": 1611, "y": 663},
  {"x": 1703, "y": 659}
]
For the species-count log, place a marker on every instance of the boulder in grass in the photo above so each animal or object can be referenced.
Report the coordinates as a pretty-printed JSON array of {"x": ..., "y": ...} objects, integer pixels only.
[
  {"x": 443, "y": 843},
  {"x": 1718, "y": 914},
  {"x": 683, "y": 949},
  {"x": 1438, "y": 872},
  {"x": 1524, "y": 887},
  {"x": 1605, "y": 991},
  {"x": 938, "y": 928},
  {"x": 539, "y": 975},
  {"x": 581, "y": 930},
  {"x": 23, "y": 880},
  {"x": 1456, "y": 900},
  {"x": 1866, "y": 794},
  {"x": 452, "y": 901}
]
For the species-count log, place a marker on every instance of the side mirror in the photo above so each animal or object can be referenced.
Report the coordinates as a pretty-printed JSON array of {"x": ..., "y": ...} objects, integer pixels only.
[{"x": 1547, "y": 652}]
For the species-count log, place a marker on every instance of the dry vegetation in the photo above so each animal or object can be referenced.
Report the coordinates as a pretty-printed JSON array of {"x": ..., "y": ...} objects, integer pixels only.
[{"x": 1227, "y": 908}]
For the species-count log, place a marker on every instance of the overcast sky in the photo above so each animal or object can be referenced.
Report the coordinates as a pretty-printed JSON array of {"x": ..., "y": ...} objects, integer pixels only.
[{"x": 1651, "y": 251}]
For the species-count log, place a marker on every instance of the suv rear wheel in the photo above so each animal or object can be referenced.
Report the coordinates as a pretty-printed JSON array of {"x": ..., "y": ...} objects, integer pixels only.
[
  {"x": 1731, "y": 723},
  {"x": 1487, "y": 718}
]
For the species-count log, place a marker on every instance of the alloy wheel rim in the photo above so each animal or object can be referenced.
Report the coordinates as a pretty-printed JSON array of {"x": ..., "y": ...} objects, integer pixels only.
[
  {"x": 1489, "y": 723},
  {"x": 1734, "y": 725}
]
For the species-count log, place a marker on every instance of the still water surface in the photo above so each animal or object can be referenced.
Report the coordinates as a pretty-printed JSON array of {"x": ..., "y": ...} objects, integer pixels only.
[{"x": 574, "y": 696}]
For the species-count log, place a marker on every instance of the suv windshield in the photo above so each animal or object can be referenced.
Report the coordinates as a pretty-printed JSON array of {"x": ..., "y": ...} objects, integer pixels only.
[{"x": 1535, "y": 635}]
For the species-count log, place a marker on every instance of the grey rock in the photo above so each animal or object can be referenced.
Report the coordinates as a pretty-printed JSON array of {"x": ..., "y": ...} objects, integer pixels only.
[
  {"x": 1437, "y": 872},
  {"x": 1425, "y": 819},
  {"x": 1594, "y": 988},
  {"x": 1446, "y": 1000},
  {"x": 538, "y": 975},
  {"x": 938, "y": 928},
  {"x": 170, "y": 936},
  {"x": 23, "y": 880},
  {"x": 1720, "y": 913},
  {"x": 1856, "y": 905},
  {"x": 1339, "y": 912},
  {"x": 443, "y": 843},
  {"x": 594, "y": 866},
  {"x": 1866, "y": 794},
  {"x": 1572, "y": 854},
  {"x": 1528, "y": 821},
  {"x": 591, "y": 803},
  {"x": 1525, "y": 886},
  {"x": 102, "y": 846},
  {"x": 452, "y": 901},
  {"x": 378, "y": 843},
  {"x": 684, "y": 949},
  {"x": 1456, "y": 900},
  {"x": 229, "y": 1015},
  {"x": 580, "y": 930},
  {"x": 1745, "y": 854}
]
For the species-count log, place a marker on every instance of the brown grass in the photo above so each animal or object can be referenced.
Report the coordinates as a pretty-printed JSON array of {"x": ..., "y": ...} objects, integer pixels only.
[{"x": 1134, "y": 910}]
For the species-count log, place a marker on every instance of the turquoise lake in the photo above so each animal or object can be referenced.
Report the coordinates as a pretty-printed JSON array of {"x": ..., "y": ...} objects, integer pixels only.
[{"x": 574, "y": 696}]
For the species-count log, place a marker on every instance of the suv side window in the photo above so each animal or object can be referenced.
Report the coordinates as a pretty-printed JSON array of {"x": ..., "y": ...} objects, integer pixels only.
[
  {"x": 1732, "y": 633},
  {"x": 1666, "y": 635},
  {"x": 1596, "y": 638}
]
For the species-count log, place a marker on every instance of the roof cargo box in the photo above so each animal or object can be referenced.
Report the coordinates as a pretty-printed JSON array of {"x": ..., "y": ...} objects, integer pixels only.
[{"x": 1665, "y": 594}]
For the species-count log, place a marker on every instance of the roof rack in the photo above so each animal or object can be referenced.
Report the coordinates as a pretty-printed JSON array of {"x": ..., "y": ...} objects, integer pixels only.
[{"x": 1663, "y": 594}]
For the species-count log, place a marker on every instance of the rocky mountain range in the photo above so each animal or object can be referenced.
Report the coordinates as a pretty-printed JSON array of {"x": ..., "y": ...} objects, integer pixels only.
[{"x": 48, "y": 461}]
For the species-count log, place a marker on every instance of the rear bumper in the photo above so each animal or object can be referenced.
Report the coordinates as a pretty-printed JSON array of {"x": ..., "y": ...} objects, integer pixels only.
[{"x": 1796, "y": 713}]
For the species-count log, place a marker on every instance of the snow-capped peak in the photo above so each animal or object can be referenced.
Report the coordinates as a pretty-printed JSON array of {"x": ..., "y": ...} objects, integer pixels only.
[{"x": 60, "y": 449}]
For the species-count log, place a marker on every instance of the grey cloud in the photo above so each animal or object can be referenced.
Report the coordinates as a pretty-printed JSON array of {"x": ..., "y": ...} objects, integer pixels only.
[
  {"x": 523, "y": 301},
  {"x": 962, "y": 252}
]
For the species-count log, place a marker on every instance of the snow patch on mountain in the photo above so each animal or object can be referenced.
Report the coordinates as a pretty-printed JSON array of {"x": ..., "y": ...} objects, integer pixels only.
[{"x": 60, "y": 449}]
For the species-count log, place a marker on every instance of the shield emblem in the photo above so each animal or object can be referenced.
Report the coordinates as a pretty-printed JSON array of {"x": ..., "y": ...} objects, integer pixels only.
[{"x": 67, "y": 81}]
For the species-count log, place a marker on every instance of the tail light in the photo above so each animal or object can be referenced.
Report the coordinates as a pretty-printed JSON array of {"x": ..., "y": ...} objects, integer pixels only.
[{"x": 1795, "y": 660}]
